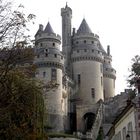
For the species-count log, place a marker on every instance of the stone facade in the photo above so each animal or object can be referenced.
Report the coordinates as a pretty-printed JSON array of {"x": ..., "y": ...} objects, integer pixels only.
[{"x": 77, "y": 78}]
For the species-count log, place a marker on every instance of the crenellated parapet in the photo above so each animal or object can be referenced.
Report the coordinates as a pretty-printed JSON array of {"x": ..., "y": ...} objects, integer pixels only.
[
  {"x": 109, "y": 72},
  {"x": 48, "y": 37}
]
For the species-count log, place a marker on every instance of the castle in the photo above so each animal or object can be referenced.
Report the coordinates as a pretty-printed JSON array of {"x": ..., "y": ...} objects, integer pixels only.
[{"x": 77, "y": 79}]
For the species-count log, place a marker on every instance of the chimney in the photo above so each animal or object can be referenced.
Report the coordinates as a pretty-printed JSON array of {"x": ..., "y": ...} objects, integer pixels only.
[
  {"x": 108, "y": 50},
  {"x": 40, "y": 27},
  {"x": 73, "y": 33}
]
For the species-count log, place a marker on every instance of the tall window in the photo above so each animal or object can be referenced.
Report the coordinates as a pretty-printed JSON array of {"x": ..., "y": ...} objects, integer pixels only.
[
  {"x": 101, "y": 80},
  {"x": 93, "y": 92},
  {"x": 119, "y": 135},
  {"x": 54, "y": 74},
  {"x": 124, "y": 133},
  {"x": 79, "y": 79},
  {"x": 101, "y": 68},
  {"x": 130, "y": 130}
]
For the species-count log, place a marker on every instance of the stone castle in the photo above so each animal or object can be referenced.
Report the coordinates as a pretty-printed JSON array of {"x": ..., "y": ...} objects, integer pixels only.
[{"x": 77, "y": 79}]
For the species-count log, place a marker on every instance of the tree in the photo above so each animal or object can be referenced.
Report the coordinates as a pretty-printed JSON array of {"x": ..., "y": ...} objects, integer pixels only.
[
  {"x": 13, "y": 24},
  {"x": 18, "y": 105},
  {"x": 134, "y": 72},
  {"x": 21, "y": 101}
]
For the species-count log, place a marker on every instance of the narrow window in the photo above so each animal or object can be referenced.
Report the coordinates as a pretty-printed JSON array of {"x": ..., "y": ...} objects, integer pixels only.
[
  {"x": 92, "y": 42},
  {"x": 77, "y": 51},
  {"x": 44, "y": 74},
  {"x": 55, "y": 55},
  {"x": 101, "y": 68},
  {"x": 53, "y": 44},
  {"x": 79, "y": 79},
  {"x": 130, "y": 129},
  {"x": 46, "y": 55},
  {"x": 92, "y": 50},
  {"x": 41, "y": 44},
  {"x": 124, "y": 133},
  {"x": 54, "y": 74},
  {"x": 93, "y": 92},
  {"x": 85, "y": 41},
  {"x": 101, "y": 80}
]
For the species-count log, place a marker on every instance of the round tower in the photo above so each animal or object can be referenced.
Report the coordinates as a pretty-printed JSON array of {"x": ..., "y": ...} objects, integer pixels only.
[
  {"x": 87, "y": 60},
  {"x": 50, "y": 62},
  {"x": 109, "y": 75}
]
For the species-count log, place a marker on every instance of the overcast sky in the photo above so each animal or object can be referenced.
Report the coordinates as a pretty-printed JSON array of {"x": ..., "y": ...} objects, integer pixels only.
[{"x": 117, "y": 22}]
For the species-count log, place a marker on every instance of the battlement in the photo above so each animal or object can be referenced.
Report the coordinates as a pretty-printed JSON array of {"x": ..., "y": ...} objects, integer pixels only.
[
  {"x": 65, "y": 10},
  {"x": 50, "y": 58},
  {"x": 86, "y": 35},
  {"x": 87, "y": 54},
  {"x": 48, "y": 36},
  {"x": 109, "y": 72}
]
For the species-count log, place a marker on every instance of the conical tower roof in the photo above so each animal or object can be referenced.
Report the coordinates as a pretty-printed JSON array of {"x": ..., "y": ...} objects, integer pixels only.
[
  {"x": 84, "y": 28},
  {"x": 49, "y": 29}
]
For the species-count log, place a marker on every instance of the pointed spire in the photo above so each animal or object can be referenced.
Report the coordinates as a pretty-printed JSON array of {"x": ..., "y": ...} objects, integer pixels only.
[
  {"x": 49, "y": 29},
  {"x": 66, "y": 5},
  {"x": 84, "y": 28}
]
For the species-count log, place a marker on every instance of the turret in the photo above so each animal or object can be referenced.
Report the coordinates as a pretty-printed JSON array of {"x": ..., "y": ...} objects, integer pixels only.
[
  {"x": 87, "y": 64},
  {"x": 109, "y": 75},
  {"x": 66, "y": 14},
  {"x": 87, "y": 59},
  {"x": 50, "y": 63}
]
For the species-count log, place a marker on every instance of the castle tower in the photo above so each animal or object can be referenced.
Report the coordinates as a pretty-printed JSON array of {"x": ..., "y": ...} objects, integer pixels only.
[
  {"x": 66, "y": 14},
  {"x": 50, "y": 62},
  {"x": 87, "y": 63},
  {"x": 109, "y": 75},
  {"x": 87, "y": 59}
]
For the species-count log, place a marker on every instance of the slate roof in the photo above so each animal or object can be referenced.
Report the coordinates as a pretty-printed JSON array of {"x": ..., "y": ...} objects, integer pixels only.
[
  {"x": 84, "y": 28},
  {"x": 49, "y": 29}
]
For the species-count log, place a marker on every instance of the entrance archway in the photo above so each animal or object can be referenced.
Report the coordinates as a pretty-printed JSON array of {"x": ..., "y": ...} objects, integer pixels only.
[{"x": 89, "y": 119}]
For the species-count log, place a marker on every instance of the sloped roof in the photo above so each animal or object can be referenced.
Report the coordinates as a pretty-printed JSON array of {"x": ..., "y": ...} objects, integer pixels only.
[
  {"x": 49, "y": 29},
  {"x": 84, "y": 28}
]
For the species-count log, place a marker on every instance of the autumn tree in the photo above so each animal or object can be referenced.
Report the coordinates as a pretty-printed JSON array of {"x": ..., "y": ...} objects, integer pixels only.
[{"x": 21, "y": 102}]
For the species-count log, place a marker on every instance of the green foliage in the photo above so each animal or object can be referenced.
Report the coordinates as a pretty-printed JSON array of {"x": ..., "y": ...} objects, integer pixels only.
[
  {"x": 132, "y": 94},
  {"x": 18, "y": 104},
  {"x": 135, "y": 71},
  {"x": 21, "y": 100}
]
